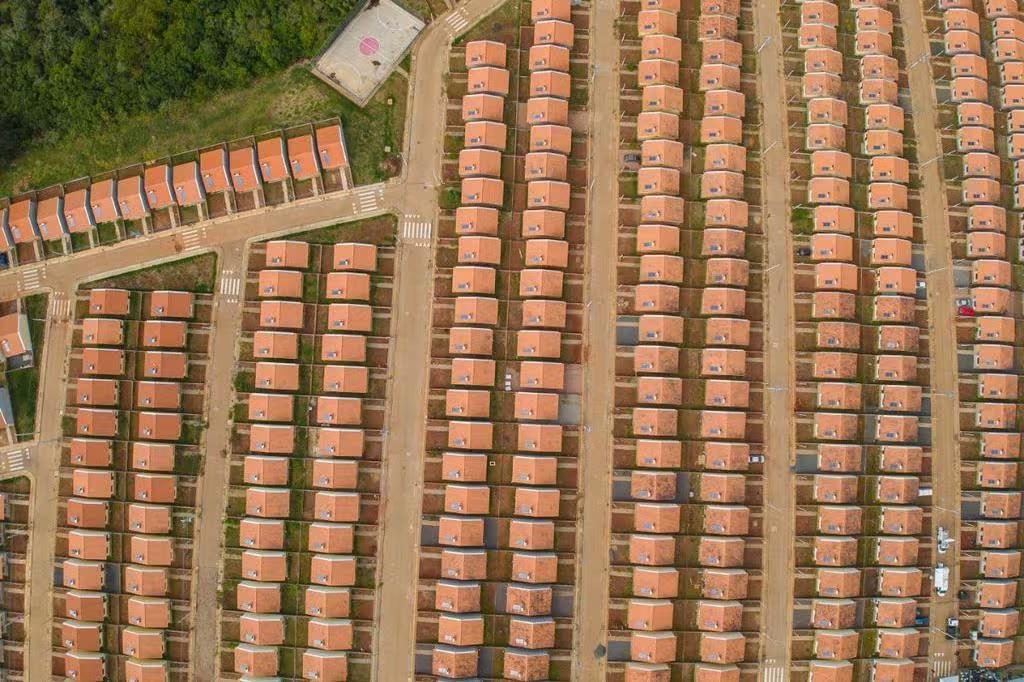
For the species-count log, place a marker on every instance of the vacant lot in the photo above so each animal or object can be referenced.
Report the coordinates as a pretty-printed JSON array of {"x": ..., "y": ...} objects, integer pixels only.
[
  {"x": 289, "y": 98},
  {"x": 196, "y": 274}
]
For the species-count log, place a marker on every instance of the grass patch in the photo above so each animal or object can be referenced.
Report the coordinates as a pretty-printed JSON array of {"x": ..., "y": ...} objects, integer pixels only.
[
  {"x": 449, "y": 198},
  {"x": 802, "y": 220},
  {"x": 23, "y": 384},
  {"x": 194, "y": 274},
  {"x": 380, "y": 230},
  {"x": 289, "y": 98}
]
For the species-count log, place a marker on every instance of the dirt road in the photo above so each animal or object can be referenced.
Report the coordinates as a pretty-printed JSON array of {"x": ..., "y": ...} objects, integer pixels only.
[
  {"x": 779, "y": 519},
  {"x": 938, "y": 260},
  {"x": 42, "y": 525},
  {"x": 593, "y": 534},
  {"x": 213, "y": 481},
  {"x": 409, "y": 367}
]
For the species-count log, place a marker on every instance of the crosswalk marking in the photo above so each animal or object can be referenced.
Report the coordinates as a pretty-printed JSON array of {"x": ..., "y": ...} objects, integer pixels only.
[
  {"x": 30, "y": 278},
  {"x": 368, "y": 198},
  {"x": 944, "y": 665},
  {"x": 230, "y": 285},
  {"x": 193, "y": 239},
  {"x": 416, "y": 231},
  {"x": 15, "y": 460},
  {"x": 458, "y": 21},
  {"x": 773, "y": 672},
  {"x": 60, "y": 305}
]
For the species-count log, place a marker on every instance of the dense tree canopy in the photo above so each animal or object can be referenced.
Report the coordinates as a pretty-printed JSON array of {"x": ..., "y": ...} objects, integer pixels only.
[{"x": 76, "y": 65}]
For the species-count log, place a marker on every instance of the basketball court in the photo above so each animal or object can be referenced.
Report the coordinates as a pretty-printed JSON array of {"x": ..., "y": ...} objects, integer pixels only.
[{"x": 367, "y": 50}]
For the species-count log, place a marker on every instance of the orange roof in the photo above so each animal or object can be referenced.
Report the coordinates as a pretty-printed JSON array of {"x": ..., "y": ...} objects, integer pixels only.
[
  {"x": 153, "y": 456},
  {"x": 539, "y": 110},
  {"x": 489, "y": 79},
  {"x": 330, "y": 145},
  {"x": 827, "y": 110},
  {"x": 350, "y": 286},
  {"x": 276, "y": 345},
  {"x": 159, "y": 426},
  {"x": 101, "y": 332},
  {"x": 164, "y": 365},
  {"x": 550, "y": 137},
  {"x": 661, "y": 47},
  {"x": 130, "y": 200},
  {"x": 550, "y": 9},
  {"x": 171, "y": 304},
  {"x": 103, "y": 201},
  {"x": 158, "y": 395},
  {"x": 476, "y": 220},
  {"x": 271, "y": 154},
  {"x": 245, "y": 175},
  {"x": 95, "y": 361},
  {"x": 543, "y": 223},
  {"x": 77, "y": 215},
  {"x": 485, "y": 53},
  {"x": 163, "y": 334},
  {"x": 277, "y": 376},
  {"x": 213, "y": 167},
  {"x": 302, "y": 157},
  {"x": 665, "y": 98},
  {"x": 485, "y": 133},
  {"x": 657, "y": 124},
  {"x": 486, "y": 162},
  {"x": 483, "y": 107},
  {"x": 287, "y": 254},
  {"x": 157, "y": 183},
  {"x": 281, "y": 314},
  {"x": 545, "y": 166}
]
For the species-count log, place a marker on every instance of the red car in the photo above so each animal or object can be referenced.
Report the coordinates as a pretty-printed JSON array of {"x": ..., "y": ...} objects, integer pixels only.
[{"x": 965, "y": 310}]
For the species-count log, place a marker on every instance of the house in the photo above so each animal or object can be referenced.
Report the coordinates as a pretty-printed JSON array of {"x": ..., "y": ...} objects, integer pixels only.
[
  {"x": 330, "y": 147},
  {"x": 272, "y": 159},
  {"x": 131, "y": 200},
  {"x": 213, "y": 169}
]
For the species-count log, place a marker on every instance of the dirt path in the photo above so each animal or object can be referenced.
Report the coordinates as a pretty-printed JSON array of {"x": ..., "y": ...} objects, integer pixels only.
[
  {"x": 42, "y": 525},
  {"x": 409, "y": 367},
  {"x": 938, "y": 260},
  {"x": 779, "y": 351},
  {"x": 213, "y": 481},
  {"x": 593, "y": 536}
]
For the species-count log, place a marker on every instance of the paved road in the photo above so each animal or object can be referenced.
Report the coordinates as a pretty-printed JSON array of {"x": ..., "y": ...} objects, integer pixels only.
[
  {"x": 213, "y": 481},
  {"x": 779, "y": 351},
  {"x": 593, "y": 535},
  {"x": 941, "y": 321},
  {"x": 409, "y": 359}
]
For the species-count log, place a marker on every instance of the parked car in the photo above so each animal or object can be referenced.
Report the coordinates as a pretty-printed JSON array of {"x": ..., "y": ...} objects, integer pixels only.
[
  {"x": 803, "y": 251},
  {"x": 965, "y": 311}
]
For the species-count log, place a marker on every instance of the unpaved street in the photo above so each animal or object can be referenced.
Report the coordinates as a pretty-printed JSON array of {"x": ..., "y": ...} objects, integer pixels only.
[
  {"x": 938, "y": 260},
  {"x": 409, "y": 370},
  {"x": 213, "y": 481},
  {"x": 779, "y": 351},
  {"x": 594, "y": 509}
]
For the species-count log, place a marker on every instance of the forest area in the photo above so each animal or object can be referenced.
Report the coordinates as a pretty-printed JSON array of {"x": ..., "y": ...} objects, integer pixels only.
[{"x": 72, "y": 68}]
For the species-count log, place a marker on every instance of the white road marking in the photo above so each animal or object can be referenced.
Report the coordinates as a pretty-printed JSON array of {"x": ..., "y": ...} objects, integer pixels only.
[
  {"x": 60, "y": 305},
  {"x": 416, "y": 231},
  {"x": 30, "y": 278},
  {"x": 773, "y": 672},
  {"x": 458, "y": 21},
  {"x": 193, "y": 239},
  {"x": 368, "y": 198},
  {"x": 230, "y": 286},
  {"x": 15, "y": 460}
]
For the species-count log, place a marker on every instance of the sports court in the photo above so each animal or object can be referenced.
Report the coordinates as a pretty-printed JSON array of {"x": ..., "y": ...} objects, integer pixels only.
[{"x": 367, "y": 49}]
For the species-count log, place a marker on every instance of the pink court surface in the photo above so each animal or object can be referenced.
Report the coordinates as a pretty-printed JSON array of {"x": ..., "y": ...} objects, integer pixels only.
[{"x": 366, "y": 51}]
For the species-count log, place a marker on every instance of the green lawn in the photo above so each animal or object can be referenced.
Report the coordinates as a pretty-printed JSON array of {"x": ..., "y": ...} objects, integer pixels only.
[{"x": 290, "y": 98}]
